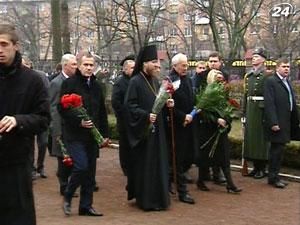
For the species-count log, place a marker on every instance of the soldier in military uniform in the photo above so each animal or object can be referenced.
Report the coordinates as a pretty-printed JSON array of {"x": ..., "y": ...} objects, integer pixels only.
[{"x": 255, "y": 145}]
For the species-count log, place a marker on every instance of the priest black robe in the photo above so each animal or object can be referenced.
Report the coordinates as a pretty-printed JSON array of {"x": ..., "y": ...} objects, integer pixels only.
[{"x": 148, "y": 166}]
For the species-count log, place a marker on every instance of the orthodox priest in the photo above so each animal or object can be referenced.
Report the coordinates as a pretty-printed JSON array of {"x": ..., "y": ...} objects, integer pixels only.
[{"x": 148, "y": 161}]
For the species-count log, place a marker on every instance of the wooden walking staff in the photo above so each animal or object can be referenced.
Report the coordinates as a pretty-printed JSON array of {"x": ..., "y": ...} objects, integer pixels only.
[{"x": 174, "y": 169}]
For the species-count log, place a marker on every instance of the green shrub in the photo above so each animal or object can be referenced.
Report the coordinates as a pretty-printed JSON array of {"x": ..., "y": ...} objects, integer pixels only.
[{"x": 291, "y": 153}]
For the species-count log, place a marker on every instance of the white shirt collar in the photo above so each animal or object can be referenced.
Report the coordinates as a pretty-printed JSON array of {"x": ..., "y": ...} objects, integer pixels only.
[{"x": 65, "y": 75}]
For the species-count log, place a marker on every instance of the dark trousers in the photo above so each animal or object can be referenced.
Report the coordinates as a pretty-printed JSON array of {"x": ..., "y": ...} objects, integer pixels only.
[
  {"x": 180, "y": 178},
  {"x": 275, "y": 158},
  {"x": 63, "y": 174},
  {"x": 124, "y": 148},
  {"x": 17, "y": 207},
  {"x": 84, "y": 157},
  {"x": 259, "y": 165},
  {"x": 42, "y": 142}
]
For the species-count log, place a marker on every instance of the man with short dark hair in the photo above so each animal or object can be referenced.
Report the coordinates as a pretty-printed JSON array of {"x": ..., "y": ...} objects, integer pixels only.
[
  {"x": 117, "y": 101},
  {"x": 281, "y": 117},
  {"x": 78, "y": 137},
  {"x": 42, "y": 137},
  {"x": 215, "y": 61},
  {"x": 24, "y": 112}
]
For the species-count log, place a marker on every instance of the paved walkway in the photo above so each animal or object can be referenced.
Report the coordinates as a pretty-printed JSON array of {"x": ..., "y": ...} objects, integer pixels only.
[{"x": 258, "y": 204}]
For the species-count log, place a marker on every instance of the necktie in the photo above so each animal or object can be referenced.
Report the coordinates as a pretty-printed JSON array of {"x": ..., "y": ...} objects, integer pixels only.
[
  {"x": 88, "y": 82},
  {"x": 290, "y": 92}
]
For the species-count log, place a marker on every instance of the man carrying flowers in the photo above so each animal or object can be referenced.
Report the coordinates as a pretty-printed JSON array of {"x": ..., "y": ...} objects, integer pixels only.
[
  {"x": 83, "y": 111},
  {"x": 147, "y": 172}
]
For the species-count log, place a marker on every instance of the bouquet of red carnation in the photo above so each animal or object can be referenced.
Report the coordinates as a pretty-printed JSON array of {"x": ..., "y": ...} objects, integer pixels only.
[
  {"x": 67, "y": 160},
  {"x": 74, "y": 102}
]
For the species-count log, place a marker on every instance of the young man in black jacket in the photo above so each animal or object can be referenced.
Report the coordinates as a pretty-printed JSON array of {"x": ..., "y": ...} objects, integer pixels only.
[
  {"x": 24, "y": 112},
  {"x": 78, "y": 137}
]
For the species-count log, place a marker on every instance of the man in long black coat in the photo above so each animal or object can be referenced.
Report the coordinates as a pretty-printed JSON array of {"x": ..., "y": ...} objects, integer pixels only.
[
  {"x": 147, "y": 173},
  {"x": 281, "y": 117},
  {"x": 184, "y": 139},
  {"x": 24, "y": 112},
  {"x": 77, "y": 134},
  {"x": 117, "y": 101}
]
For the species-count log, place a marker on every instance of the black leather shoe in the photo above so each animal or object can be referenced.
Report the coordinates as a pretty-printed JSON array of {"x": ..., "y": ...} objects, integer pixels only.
[
  {"x": 259, "y": 174},
  {"x": 233, "y": 189},
  {"x": 284, "y": 182},
  {"x": 277, "y": 184},
  {"x": 96, "y": 188},
  {"x": 42, "y": 173},
  {"x": 201, "y": 186},
  {"x": 220, "y": 181},
  {"x": 186, "y": 198},
  {"x": 67, "y": 208},
  {"x": 187, "y": 178},
  {"x": 252, "y": 173},
  {"x": 89, "y": 212}
]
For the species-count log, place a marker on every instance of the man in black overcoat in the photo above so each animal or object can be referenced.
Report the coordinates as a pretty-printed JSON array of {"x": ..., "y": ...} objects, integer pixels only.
[
  {"x": 184, "y": 142},
  {"x": 24, "y": 112},
  {"x": 78, "y": 137},
  {"x": 117, "y": 101},
  {"x": 281, "y": 118}
]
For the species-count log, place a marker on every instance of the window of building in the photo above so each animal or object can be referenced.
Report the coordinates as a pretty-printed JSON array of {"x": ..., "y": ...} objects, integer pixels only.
[
  {"x": 187, "y": 17},
  {"x": 143, "y": 19},
  {"x": 77, "y": 20},
  {"x": 174, "y": 16},
  {"x": 275, "y": 29},
  {"x": 173, "y": 2},
  {"x": 188, "y": 31},
  {"x": 173, "y": 48},
  {"x": 221, "y": 30},
  {"x": 89, "y": 20},
  {"x": 90, "y": 34},
  {"x": 173, "y": 32},
  {"x": 154, "y": 2},
  {"x": 295, "y": 28},
  {"x": 206, "y": 30}
]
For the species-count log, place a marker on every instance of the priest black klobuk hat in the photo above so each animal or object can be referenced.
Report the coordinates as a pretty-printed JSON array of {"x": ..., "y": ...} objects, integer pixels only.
[
  {"x": 261, "y": 52},
  {"x": 146, "y": 54},
  {"x": 129, "y": 57}
]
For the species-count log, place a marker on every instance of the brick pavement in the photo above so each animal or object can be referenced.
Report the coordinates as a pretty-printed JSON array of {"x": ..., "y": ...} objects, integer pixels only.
[{"x": 258, "y": 204}]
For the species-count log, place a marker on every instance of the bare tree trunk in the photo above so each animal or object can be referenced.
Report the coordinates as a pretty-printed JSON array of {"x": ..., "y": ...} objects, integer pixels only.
[
  {"x": 65, "y": 26},
  {"x": 56, "y": 31}
]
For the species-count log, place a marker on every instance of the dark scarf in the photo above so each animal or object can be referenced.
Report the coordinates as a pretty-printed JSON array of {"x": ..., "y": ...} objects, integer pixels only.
[{"x": 6, "y": 71}]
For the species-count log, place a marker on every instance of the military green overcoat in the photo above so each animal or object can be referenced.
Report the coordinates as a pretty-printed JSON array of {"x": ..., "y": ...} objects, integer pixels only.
[{"x": 255, "y": 144}]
